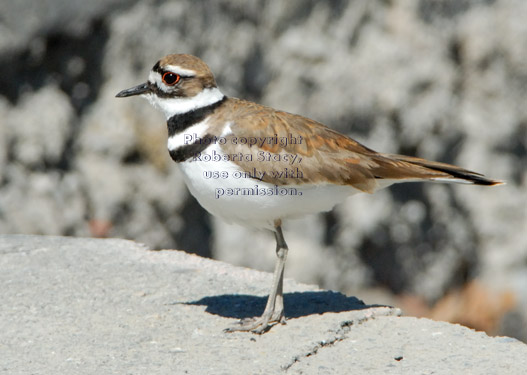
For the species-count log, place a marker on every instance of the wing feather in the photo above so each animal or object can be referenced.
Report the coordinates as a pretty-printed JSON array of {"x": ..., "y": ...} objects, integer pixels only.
[{"x": 323, "y": 156}]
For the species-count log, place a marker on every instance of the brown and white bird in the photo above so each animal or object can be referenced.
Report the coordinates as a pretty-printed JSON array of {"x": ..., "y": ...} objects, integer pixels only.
[{"x": 256, "y": 166}]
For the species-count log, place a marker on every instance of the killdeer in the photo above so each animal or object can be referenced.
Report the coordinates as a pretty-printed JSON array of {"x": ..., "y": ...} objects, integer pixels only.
[{"x": 254, "y": 165}]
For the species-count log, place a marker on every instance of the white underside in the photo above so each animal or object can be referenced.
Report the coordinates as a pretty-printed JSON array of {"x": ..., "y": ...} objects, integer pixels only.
[{"x": 252, "y": 202}]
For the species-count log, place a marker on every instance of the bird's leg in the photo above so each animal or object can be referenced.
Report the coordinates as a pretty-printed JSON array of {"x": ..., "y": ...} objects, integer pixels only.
[
  {"x": 281, "y": 253},
  {"x": 274, "y": 309}
]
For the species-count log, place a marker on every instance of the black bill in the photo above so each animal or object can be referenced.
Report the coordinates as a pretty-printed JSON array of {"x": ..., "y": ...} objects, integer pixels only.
[{"x": 136, "y": 90}]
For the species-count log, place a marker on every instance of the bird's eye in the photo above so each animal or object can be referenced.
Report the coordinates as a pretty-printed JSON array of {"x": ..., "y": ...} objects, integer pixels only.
[{"x": 170, "y": 78}]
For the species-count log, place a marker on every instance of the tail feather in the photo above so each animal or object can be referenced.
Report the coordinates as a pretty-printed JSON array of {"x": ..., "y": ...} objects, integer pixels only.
[{"x": 447, "y": 172}]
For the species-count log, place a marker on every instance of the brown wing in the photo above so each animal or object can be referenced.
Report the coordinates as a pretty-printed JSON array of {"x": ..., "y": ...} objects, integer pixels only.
[{"x": 322, "y": 154}]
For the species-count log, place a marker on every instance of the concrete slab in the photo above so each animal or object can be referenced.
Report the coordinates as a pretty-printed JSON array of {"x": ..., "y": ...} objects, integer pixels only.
[{"x": 86, "y": 306}]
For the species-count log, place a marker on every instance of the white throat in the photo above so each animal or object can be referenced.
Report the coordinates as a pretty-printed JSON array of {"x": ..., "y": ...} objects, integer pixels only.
[{"x": 176, "y": 106}]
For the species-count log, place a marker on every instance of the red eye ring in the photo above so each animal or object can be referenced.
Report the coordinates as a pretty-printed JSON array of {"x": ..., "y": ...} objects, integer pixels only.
[{"x": 170, "y": 79}]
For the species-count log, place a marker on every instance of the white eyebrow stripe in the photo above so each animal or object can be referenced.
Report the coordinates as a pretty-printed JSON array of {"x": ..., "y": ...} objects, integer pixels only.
[
  {"x": 155, "y": 77},
  {"x": 179, "y": 70}
]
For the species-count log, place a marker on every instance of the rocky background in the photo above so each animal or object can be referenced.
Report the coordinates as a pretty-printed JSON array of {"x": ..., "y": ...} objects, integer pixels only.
[{"x": 439, "y": 79}]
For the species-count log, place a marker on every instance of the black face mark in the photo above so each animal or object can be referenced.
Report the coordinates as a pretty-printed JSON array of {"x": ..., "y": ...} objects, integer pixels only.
[{"x": 157, "y": 68}]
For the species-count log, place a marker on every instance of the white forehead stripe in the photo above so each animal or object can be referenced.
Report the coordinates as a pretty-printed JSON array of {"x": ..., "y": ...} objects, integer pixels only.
[
  {"x": 179, "y": 70},
  {"x": 154, "y": 77}
]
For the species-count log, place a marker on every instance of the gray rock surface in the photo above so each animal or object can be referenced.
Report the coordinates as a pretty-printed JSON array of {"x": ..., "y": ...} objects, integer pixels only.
[
  {"x": 440, "y": 79},
  {"x": 85, "y": 306}
]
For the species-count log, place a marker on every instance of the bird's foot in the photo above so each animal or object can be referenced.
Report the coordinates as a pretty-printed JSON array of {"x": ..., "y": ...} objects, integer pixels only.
[{"x": 259, "y": 325}]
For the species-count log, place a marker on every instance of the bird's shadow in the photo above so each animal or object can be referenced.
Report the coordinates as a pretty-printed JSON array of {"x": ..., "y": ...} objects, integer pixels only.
[{"x": 297, "y": 304}]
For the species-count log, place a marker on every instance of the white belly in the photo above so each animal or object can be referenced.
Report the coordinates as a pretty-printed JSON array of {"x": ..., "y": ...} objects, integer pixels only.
[{"x": 251, "y": 202}]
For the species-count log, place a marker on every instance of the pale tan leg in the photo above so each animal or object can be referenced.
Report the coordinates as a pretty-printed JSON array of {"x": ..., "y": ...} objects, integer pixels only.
[{"x": 274, "y": 309}]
